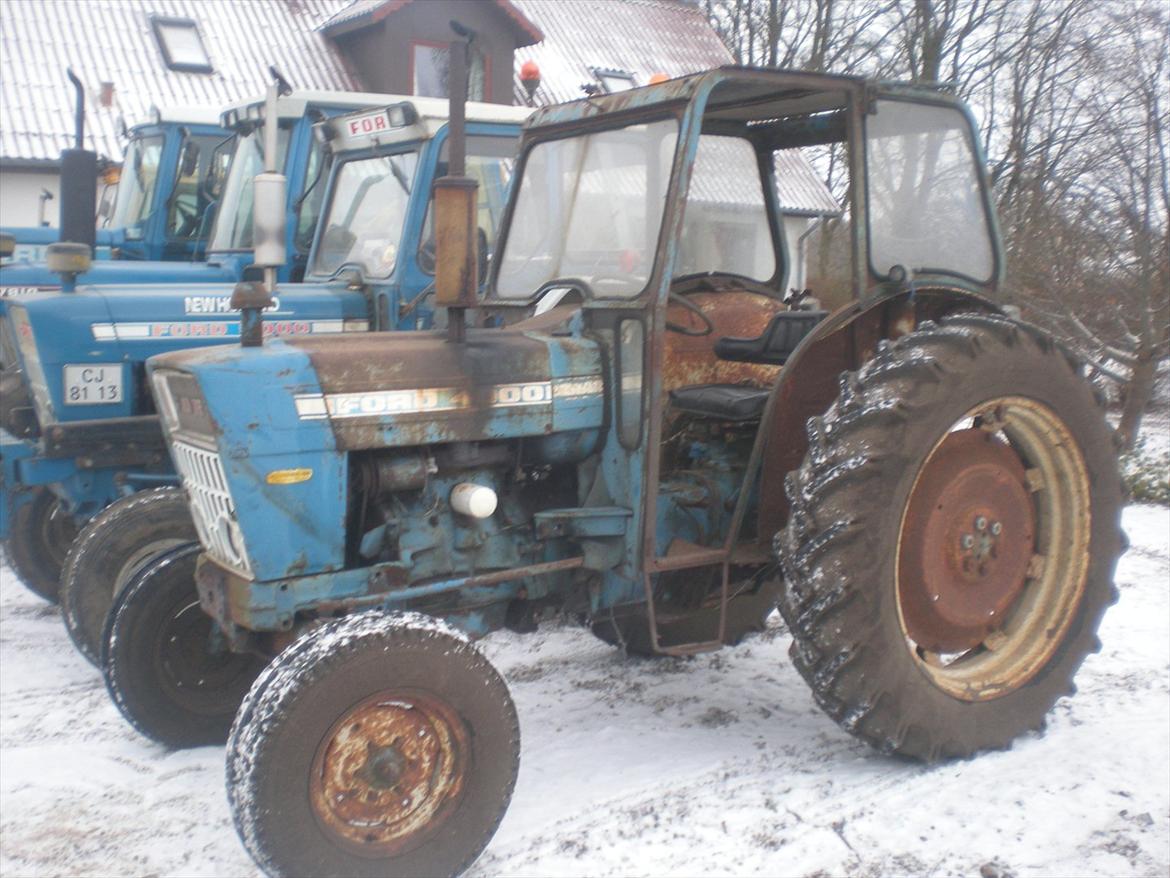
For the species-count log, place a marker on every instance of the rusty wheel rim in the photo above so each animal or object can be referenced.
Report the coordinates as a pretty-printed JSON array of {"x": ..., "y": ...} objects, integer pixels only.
[
  {"x": 389, "y": 772},
  {"x": 993, "y": 549}
]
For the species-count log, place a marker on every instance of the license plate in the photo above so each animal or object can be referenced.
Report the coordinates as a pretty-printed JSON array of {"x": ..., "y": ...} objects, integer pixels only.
[{"x": 93, "y": 384}]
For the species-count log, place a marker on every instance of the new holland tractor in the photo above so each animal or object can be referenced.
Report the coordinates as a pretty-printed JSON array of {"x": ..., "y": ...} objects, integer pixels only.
[
  {"x": 633, "y": 424},
  {"x": 81, "y": 434}
]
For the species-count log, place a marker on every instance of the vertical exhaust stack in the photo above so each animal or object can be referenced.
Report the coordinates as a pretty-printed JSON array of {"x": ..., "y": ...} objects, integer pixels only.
[
  {"x": 73, "y": 253},
  {"x": 269, "y": 218},
  {"x": 456, "y": 260}
]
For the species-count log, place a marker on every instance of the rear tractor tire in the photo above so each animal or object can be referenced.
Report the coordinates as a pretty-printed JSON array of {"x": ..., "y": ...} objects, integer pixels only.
[
  {"x": 111, "y": 548},
  {"x": 375, "y": 745},
  {"x": 42, "y": 532},
  {"x": 165, "y": 665},
  {"x": 951, "y": 540}
]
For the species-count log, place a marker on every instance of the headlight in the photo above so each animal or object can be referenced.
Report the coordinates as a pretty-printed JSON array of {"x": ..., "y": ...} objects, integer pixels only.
[{"x": 183, "y": 409}]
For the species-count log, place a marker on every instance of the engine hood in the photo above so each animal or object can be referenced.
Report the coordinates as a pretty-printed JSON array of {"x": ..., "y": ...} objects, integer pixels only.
[
  {"x": 396, "y": 389},
  {"x": 121, "y": 326},
  {"x": 21, "y": 277}
]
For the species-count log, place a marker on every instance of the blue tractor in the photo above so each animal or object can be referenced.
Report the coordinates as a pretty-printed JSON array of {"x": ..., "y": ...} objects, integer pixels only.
[
  {"x": 80, "y": 428},
  {"x": 205, "y": 218},
  {"x": 162, "y": 209},
  {"x": 631, "y": 423},
  {"x": 161, "y": 206}
]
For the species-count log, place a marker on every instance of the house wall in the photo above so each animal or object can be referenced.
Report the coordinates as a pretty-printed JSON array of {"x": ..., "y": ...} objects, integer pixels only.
[
  {"x": 20, "y": 192},
  {"x": 381, "y": 54}
]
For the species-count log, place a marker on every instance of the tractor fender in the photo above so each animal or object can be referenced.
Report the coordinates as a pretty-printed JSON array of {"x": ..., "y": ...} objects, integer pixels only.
[{"x": 810, "y": 380}]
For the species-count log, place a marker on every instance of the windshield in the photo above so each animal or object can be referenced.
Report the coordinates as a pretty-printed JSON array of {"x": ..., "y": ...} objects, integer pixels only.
[
  {"x": 726, "y": 227},
  {"x": 199, "y": 161},
  {"x": 367, "y": 211},
  {"x": 233, "y": 224},
  {"x": 926, "y": 208},
  {"x": 590, "y": 208},
  {"x": 136, "y": 186}
]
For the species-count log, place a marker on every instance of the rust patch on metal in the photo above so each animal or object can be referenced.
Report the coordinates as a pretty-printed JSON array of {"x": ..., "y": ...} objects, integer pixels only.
[
  {"x": 808, "y": 384},
  {"x": 691, "y": 360},
  {"x": 968, "y": 540},
  {"x": 389, "y": 772}
]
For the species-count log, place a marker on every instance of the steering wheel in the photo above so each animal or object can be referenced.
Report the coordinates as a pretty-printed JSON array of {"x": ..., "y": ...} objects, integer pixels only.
[{"x": 683, "y": 302}]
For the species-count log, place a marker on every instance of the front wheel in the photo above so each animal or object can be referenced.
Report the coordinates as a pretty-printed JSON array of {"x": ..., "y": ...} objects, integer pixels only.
[
  {"x": 952, "y": 537},
  {"x": 114, "y": 546},
  {"x": 164, "y": 662},
  {"x": 375, "y": 745},
  {"x": 42, "y": 531}
]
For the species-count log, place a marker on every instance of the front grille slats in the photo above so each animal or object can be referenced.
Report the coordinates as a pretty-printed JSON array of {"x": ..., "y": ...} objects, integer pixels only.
[{"x": 211, "y": 504}]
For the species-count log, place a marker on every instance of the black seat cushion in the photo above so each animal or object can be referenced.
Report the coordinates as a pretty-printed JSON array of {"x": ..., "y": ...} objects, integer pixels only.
[
  {"x": 728, "y": 402},
  {"x": 777, "y": 342}
]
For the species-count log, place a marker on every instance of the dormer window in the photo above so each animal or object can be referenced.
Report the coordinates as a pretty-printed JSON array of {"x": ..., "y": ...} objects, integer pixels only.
[
  {"x": 614, "y": 80},
  {"x": 181, "y": 44},
  {"x": 430, "y": 63}
]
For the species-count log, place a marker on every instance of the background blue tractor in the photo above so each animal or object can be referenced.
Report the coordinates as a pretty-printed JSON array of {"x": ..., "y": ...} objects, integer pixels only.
[
  {"x": 649, "y": 434},
  {"x": 200, "y": 214},
  {"x": 88, "y": 434},
  {"x": 167, "y": 161}
]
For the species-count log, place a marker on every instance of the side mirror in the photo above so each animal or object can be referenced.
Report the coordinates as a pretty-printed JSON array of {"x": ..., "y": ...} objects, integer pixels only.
[
  {"x": 190, "y": 159},
  {"x": 482, "y": 253}
]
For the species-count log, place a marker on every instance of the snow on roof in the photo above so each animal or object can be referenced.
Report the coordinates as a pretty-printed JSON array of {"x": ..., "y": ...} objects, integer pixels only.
[
  {"x": 113, "y": 41},
  {"x": 640, "y": 37}
]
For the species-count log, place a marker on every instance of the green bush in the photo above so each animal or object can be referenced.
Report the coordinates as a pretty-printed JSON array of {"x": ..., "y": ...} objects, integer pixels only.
[{"x": 1146, "y": 473}]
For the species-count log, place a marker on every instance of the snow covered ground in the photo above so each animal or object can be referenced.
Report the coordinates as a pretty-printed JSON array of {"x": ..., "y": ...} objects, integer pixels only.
[{"x": 720, "y": 764}]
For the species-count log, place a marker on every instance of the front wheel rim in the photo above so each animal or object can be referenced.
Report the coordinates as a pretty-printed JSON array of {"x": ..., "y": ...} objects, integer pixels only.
[
  {"x": 1033, "y": 576},
  {"x": 389, "y": 772}
]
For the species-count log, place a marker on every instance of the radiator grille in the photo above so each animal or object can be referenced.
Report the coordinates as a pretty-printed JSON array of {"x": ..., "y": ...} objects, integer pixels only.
[{"x": 211, "y": 505}]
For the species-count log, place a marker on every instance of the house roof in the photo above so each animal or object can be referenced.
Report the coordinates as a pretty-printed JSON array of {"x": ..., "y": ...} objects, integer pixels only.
[
  {"x": 112, "y": 41},
  {"x": 640, "y": 37},
  {"x": 360, "y": 13}
]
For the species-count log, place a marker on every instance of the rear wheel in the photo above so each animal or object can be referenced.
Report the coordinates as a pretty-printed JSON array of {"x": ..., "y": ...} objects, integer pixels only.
[
  {"x": 110, "y": 550},
  {"x": 375, "y": 745},
  {"x": 952, "y": 538},
  {"x": 165, "y": 664},
  {"x": 42, "y": 531}
]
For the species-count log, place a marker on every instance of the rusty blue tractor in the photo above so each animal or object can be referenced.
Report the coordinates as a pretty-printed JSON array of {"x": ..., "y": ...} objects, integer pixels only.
[
  {"x": 81, "y": 434},
  {"x": 632, "y": 423}
]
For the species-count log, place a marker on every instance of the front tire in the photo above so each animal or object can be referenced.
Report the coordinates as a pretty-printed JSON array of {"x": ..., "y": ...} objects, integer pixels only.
[
  {"x": 953, "y": 531},
  {"x": 111, "y": 548},
  {"x": 375, "y": 745},
  {"x": 164, "y": 664},
  {"x": 42, "y": 531}
]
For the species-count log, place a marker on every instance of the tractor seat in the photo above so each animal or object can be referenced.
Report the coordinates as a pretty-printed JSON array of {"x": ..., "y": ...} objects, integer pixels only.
[
  {"x": 776, "y": 343},
  {"x": 741, "y": 402},
  {"x": 725, "y": 402}
]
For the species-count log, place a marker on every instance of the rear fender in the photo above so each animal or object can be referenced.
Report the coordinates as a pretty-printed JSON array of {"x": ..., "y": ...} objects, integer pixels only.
[{"x": 809, "y": 382}]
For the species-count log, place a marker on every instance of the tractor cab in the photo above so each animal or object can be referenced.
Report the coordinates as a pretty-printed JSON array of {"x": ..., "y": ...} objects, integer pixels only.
[{"x": 656, "y": 212}]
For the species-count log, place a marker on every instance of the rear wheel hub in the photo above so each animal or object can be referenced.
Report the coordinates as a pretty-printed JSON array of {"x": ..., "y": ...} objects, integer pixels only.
[{"x": 969, "y": 535}]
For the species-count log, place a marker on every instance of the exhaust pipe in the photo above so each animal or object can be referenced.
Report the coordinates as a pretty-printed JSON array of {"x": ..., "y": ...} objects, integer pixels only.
[
  {"x": 269, "y": 219},
  {"x": 456, "y": 260},
  {"x": 78, "y": 208}
]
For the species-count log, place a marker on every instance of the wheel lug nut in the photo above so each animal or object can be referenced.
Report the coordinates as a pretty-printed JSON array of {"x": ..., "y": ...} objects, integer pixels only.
[
  {"x": 996, "y": 528},
  {"x": 980, "y": 523},
  {"x": 968, "y": 541}
]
